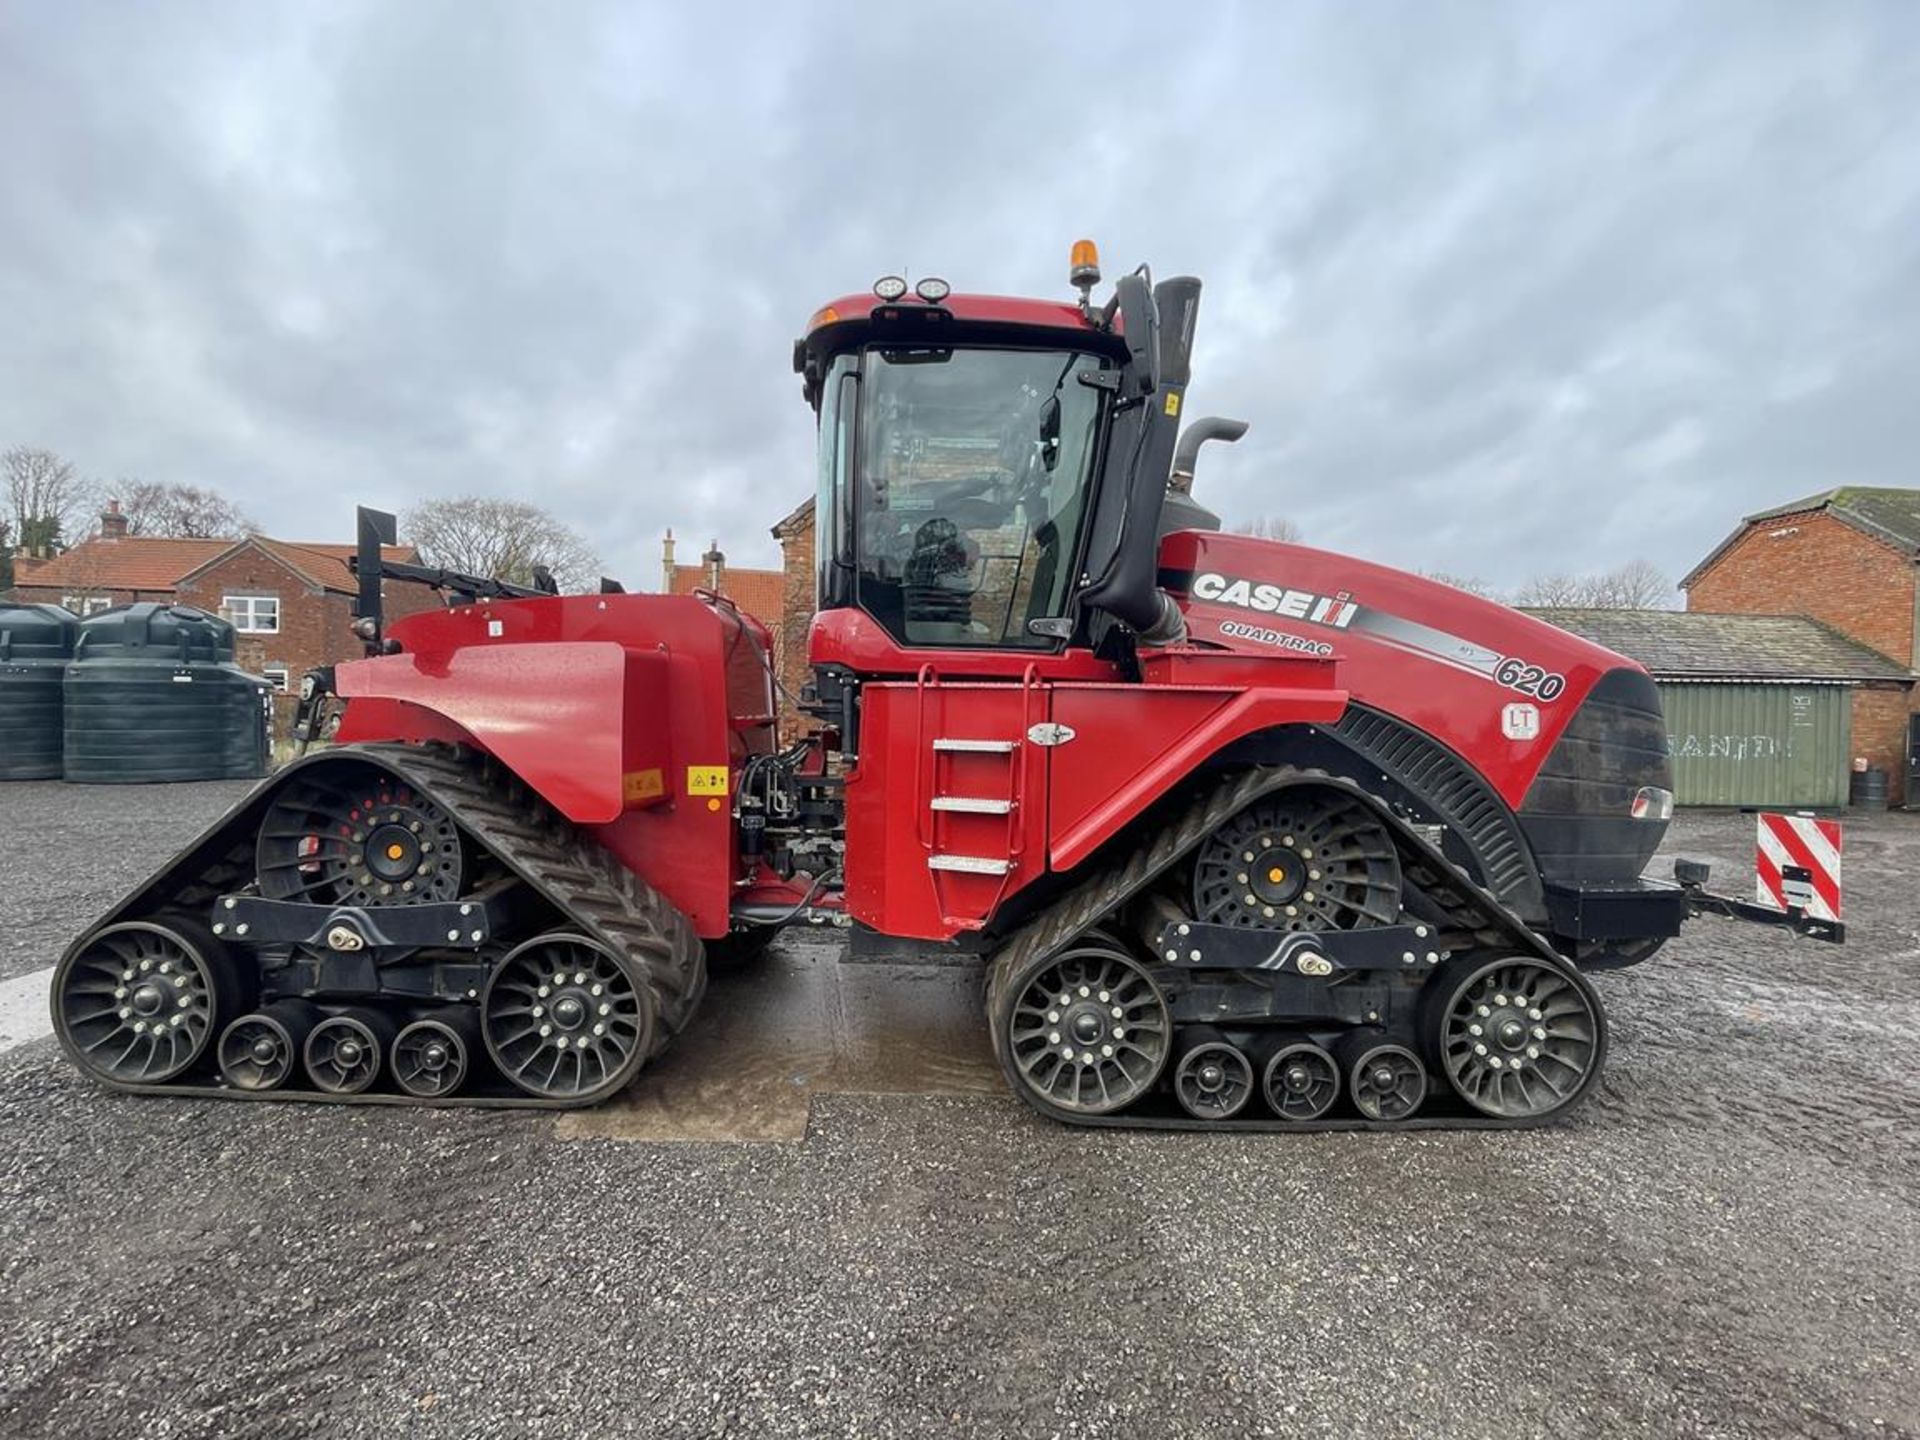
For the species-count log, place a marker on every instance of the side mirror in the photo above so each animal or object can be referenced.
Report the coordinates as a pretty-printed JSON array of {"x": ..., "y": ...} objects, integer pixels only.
[
  {"x": 1140, "y": 328},
  {"x": 1050, "y": 433}
]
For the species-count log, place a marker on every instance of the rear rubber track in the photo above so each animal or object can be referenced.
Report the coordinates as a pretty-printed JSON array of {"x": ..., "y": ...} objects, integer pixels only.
[{"x": 585, "y": 885}]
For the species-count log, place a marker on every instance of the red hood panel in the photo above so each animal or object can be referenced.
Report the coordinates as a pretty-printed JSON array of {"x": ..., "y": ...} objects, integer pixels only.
[{"x": 1494, "y": 685}]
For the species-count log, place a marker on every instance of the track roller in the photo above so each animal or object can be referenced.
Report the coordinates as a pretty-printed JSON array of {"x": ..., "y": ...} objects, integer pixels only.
[
  {"x": 1517, "y": 1037},
  {"x": 344, "y": 1051},
  {"x": 1214, "y": 1079},
  {"x": 432, "y": 1056},
  {"x": 140, "y": 1002},
  {"x": 1386, "y": 1081},
  {"x": 564, "y": 1017},
  {"x": 1301, "y": 1081},
  {"x": 261, "y": 1051}
]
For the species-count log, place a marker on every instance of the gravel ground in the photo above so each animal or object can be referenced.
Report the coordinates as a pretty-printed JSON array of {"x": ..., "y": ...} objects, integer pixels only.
[{"x": 1723, "y": 1242}]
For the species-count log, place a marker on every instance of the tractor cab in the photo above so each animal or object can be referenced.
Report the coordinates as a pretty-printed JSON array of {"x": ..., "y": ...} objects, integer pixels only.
[{"x": 992, "y": 471}]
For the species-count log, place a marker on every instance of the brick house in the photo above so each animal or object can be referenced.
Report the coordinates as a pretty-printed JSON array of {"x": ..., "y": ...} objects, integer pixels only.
[
  {"x": 291, "y": 603},
  {"x": 761, "y": 593},
  {"x": 1850, "y": 558}
]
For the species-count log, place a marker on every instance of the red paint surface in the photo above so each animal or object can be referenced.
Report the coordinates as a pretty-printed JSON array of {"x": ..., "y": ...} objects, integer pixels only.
[{"x": 576, "y": 692}]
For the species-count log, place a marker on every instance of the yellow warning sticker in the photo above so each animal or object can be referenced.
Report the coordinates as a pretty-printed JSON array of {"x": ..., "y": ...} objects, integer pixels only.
[
  {"x": 706, "y": 779},
  {"x": 1173, "y": 402},
  {"x": 639, "y": 786}
]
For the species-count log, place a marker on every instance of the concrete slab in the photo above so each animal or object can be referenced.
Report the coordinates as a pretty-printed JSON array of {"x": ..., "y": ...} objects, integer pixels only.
[{"x": 803, "y": 1022}]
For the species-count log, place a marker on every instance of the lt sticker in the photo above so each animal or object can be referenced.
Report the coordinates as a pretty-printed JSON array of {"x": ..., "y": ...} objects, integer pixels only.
[
  {"x": 706, "y": 779},
  {"x": 1520, "y": 722}
]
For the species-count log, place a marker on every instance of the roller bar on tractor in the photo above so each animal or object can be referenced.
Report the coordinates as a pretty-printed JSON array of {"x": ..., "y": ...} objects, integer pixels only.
[{"x": 1249, "y": 835}]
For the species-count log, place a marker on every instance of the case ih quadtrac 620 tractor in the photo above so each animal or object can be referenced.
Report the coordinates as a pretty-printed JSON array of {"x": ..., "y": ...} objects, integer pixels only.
[{"x": 1248, "y": 834}]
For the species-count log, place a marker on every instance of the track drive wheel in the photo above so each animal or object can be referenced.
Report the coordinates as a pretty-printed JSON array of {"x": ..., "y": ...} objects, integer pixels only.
[
  {"x": 1301, "y": 1082},
  {"x": 1084, "y": 1032},
  {"x": 139, "y": 1003},
  {"x": 1517, "y": 1037},
  {"x": 261, "y": 1050},
  {"x": 566, "y": 1018},
  {"x": 1307, "y": 858},
  {"x": 348, "y": 832}
]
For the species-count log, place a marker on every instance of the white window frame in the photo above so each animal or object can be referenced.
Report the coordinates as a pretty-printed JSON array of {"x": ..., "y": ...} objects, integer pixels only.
[
  {"x": 280, "y": 677},
  {"x": 85, "y": 605},
  {"x": 244, "y": 611}
]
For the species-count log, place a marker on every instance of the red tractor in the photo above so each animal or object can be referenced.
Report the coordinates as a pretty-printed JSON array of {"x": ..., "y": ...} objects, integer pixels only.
[{"x": 1248, "y": 834}]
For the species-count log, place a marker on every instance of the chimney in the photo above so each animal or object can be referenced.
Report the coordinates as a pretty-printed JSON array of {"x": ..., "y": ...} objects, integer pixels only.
[
  {"x": 666, "y": 564},
  {"x": 716, "y": 564},
  {"x": 113, "y": 525}
]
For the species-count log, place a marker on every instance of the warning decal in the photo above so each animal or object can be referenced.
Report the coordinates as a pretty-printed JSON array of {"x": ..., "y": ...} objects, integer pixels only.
[{"x": 1797, "y": 865}]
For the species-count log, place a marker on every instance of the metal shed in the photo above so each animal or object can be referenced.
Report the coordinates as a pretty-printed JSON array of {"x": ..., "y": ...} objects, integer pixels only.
[{"x": 1760, "y": 708}]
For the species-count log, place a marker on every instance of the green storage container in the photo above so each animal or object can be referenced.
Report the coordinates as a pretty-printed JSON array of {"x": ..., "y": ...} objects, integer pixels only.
[
  {"x": 1779, "y": 746},
  {"x": 36, "y": 642},
  {"x": 153, "y": 695}
]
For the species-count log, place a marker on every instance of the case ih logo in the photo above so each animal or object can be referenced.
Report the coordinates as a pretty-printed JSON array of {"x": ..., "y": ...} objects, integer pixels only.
[{"x": 1335, "y": 610}]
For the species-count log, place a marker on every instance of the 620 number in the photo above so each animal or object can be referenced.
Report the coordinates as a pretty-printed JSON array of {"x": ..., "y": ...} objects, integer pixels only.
[{"x": 1530, "y": 679}]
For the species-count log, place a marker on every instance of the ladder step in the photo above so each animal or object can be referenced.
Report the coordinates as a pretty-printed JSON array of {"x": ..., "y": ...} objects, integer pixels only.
[
  {"x": 967, "y": 864},
  {"x": 974, "y": 747},
  {"x": 970, "y": 805}
]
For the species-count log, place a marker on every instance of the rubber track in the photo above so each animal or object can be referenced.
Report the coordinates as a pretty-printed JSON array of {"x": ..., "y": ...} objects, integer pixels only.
[
  {"x": 593, "y": 891},
  {"x": 1468, "y": 906}
]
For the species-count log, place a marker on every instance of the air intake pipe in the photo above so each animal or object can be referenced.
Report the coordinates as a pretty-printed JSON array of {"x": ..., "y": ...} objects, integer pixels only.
[{"x": 1213, "y": 427}]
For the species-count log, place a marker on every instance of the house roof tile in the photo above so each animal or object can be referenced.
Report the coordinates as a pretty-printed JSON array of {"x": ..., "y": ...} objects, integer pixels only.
[
  {"x": 1888, "y": 514},
  {"x": 761, "y": 593},
  {"x": 1698, "y": 645},
  {"x": 135, "y": 563}
]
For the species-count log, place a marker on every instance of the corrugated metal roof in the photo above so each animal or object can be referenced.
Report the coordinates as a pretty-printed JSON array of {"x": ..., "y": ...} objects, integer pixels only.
[
  {"x": 1693, "y": 644},
  {"x": 1888, "y": 514}
]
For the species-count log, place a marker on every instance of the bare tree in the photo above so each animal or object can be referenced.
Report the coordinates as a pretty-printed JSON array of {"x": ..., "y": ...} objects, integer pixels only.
[
  {"x": 504, "y": 539},
  {"x": 1636, "y": 585},
  {"x": 46, "y": 497},
  {"x": 182, "y": 512},
  {"x": 1269, "y": 527},
  {"x": 1472, "y": 584}
]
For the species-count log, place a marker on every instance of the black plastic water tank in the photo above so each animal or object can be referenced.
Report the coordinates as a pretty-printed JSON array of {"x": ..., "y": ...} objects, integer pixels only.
[
  {"x": 36, "y": 642},
  {"x": 153, "y": 694}
]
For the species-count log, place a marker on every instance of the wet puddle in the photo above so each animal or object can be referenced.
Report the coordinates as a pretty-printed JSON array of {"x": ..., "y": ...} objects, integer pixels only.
[{"x": 799, "y": 1023}]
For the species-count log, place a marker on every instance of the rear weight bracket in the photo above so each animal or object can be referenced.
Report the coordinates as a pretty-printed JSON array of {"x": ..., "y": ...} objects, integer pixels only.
[{"x": 351, "y": 929}]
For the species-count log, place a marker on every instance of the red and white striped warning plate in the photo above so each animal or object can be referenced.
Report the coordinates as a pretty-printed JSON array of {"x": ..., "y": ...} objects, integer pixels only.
[{"x": 1797, "y": 863}]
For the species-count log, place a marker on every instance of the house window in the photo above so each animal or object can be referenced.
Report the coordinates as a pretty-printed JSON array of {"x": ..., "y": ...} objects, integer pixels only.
[
  {"x": 86, "y": 604},
  {"x": 253, "y": 614},
  {"x": 276, "y": 676}
]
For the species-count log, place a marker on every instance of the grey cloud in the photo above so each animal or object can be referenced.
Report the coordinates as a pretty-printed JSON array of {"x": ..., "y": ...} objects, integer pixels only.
[{"x": 1501, "y": 288}]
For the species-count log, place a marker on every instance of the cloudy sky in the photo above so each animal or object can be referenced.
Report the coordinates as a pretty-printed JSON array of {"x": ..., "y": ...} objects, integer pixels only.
[{"x": 1501, "y": 288}]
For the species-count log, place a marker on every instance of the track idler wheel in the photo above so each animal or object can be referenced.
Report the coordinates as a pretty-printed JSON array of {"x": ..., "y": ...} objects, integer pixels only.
[
  {"x": 1306, "y": 858},
  {"x": 344, "y": 1052},
  {"x": 433, "y": 1056},
  {"x": 566, "y": 1018},
  {"x": 347, "y": 832},
  {"x": 1386, "y": 1081},
  {"x": 261, "y": 1051},
  {"x": 1518, "y": 1038},
  {"x": 1214, "y": 1079},
  {"x": 1086, "y": 1032},
  {"x": 139, "y": 1003},
  {"x": 1301, "y": 1081}
]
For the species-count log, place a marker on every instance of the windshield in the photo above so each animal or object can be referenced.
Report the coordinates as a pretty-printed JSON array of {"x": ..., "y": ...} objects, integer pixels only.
[{"x": 973, "y": 477}]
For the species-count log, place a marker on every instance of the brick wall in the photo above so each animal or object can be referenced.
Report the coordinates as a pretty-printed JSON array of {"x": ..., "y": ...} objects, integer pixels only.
[
  {"x": 1880, "y": 732},
  {"x": 1815, "y": 565},
  {"x": 795, "y": 535},
  {"x": 316, "y": 624}
]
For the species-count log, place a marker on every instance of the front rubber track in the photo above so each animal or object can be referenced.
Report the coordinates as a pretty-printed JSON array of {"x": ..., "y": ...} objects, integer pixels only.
[
  {"x": 573, "y": 874},
  {"x": 1124, "y": 872}
]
